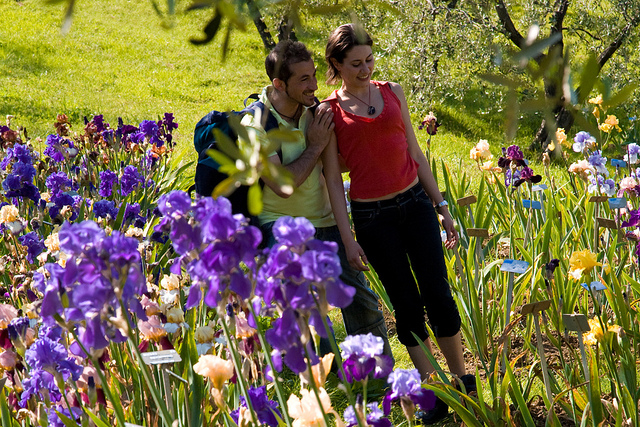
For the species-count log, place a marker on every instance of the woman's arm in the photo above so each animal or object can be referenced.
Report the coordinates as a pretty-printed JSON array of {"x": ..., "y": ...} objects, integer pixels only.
[
  {"x": 425, "y": 174},
  {"x": 355, "y": 254}
]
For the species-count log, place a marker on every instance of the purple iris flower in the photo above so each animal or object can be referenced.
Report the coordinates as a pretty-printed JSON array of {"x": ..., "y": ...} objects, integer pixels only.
[
  {"x": 58, "y": 201},
  {"x": 511, "y": 176},
  {"x": 265, "y": 409},
  {"x": 168, "y": 122},
  {"x": 284, "y": 336},
  {"x": 515, "y": 153},
  {"x": 35, "y": 245},
  {"x": 178, "y": 203},
  {"x": 511, "y": 155},
  {"x": 17, "y": 329},
  {"x": 57, "y": 148},
  {"x": 526, "y": 175},
  {"x": 19, "y": 183},
  {"x": 55, "y": 421},
  {"x": 550, "y": 267},
  {"x": 40, "y": 383},
  {"x": 362, "y": 355},
  {"x": 293, "y": 232},
  {"x": 58, "y": 182},
  {"x": 375, "y": 416},
  {"x": 107, "y": 180},
  {"x": 132, "y": 214},
  {"x": 25, "y": 171},
  {"x": 149, "y": 128},
  {"x": 406, "y": 383},
  {"x": 18, "y": 153},
  {"x": 105, "y": 209},
  {"x": 634, "y": 219},
  {"x": 99, "y": 123},
  {"x": 130, "y": 180},
  {"x": 101, "y": 273},
  {"x": 53, "y": 357}
]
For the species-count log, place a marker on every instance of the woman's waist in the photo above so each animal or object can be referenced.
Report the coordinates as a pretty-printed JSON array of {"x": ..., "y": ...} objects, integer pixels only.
[{"x": 392, "y": 199}]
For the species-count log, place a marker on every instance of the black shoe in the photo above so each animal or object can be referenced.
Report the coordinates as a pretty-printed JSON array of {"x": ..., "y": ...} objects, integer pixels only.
[
  {"x": 437, "y": 413},
  {"x": 470, "y": 385}
]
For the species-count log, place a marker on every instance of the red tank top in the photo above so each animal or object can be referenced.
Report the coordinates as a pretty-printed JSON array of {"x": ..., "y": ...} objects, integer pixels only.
[{"x": 374, "y": 149}]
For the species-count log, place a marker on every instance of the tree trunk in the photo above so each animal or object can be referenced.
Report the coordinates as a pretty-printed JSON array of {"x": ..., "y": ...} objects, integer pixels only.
[
  {"x": 564, "y": 118},
  {"x": 265, "y": 35}
]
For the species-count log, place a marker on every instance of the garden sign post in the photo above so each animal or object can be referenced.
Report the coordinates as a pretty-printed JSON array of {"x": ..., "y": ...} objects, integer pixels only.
[
  {"x": 164, "y": 357},
  {"x": 535, "y": 308},
  {"x": 478, "y": 233},
  {"x": 512, "y": 267},
  {"x": 579, "y": 324}
]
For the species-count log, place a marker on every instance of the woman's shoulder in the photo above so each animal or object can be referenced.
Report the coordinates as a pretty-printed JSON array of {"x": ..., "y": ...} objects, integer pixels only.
[
  {"x": 397, "y": 90},
  {"x": 333, "y": 96}
]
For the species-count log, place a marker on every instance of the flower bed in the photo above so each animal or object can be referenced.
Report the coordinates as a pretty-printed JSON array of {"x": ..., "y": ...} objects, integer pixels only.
[{"x": 126, "y": 300}]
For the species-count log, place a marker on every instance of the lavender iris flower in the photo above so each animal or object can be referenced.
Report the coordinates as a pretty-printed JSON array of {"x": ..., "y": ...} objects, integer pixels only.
[
  {"x": 101, "y": 273},
  {"x": 632, "y": 153},
  {"x": 598, "y": 162},
  {"x": 582, "y": 141},
  {"x": 375, "y": 416},
  {"x": 293, "y": 232},
  {"x": 53, "y": 357},
  {"x": 606, "y": 186},
  {"x": 42, "y": 384}
]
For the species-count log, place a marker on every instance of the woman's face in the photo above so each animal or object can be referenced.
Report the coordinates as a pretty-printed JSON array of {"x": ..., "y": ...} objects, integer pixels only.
[{"x": 357, "y": 67}]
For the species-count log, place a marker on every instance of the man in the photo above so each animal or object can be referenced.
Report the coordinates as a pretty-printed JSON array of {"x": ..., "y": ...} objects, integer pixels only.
[{"x": 292, "y": 73}]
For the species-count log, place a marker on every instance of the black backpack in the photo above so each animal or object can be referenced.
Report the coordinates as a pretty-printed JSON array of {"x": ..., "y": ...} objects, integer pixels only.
[{"x": 207, "y": 173}]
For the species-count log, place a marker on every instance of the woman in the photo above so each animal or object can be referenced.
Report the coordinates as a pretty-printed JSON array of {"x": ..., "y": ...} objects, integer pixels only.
[{"x": 394, "y": 219}]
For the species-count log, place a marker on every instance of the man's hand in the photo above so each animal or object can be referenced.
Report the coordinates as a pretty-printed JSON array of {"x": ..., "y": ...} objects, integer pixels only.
[
  {"x": 320, "y": 128},
  {"x": 356, "y": 256}
]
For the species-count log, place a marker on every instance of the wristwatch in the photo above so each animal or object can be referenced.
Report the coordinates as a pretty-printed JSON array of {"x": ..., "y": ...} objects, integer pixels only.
[{"x": 442, "y": 204}]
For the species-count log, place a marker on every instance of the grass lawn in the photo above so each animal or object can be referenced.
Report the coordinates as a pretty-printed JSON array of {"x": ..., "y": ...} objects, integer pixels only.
[{"x": 118, "y": 61}]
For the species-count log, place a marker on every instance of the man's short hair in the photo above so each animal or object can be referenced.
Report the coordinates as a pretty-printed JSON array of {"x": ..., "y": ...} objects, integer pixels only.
[{"x": 287, "y": 52}]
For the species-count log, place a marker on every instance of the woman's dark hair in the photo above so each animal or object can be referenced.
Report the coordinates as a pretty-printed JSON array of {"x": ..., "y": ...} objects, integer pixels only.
[
  {"x": 287, "y": 52},
  {"x": 341, "y": 40}
]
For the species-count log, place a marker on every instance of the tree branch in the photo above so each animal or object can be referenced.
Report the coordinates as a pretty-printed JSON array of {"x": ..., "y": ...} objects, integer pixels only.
[
  {"x": 615, "y": 44},
  {"x": 508, "y": 27}
]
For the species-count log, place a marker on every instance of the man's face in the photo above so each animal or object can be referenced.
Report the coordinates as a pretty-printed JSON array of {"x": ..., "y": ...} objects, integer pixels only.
[{"x": 302, "y": 84}]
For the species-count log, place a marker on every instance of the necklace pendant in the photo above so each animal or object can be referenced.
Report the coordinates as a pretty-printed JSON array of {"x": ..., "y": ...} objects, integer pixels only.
[{"x": 371, "y": 110}]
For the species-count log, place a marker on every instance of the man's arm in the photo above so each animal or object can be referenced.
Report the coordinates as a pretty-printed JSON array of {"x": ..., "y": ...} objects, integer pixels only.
[{"x": 317, "y": 136}]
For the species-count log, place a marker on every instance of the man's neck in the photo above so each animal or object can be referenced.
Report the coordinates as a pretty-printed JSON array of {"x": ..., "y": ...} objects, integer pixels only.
[{"x": 288, "y": 108}]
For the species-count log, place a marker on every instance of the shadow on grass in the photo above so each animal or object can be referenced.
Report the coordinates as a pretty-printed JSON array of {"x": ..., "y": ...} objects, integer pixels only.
[
  {"x": 480, "y": 115},
  {"x": 22, "y": 61},
  {"x": 39, "y": 117}
]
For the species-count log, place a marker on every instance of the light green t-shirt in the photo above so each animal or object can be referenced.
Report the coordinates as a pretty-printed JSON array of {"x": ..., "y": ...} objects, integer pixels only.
[{"x": 310, "y": 199}]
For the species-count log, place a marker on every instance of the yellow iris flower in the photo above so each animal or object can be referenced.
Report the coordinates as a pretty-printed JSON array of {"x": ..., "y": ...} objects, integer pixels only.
[{"x": 582, "y": 262}]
